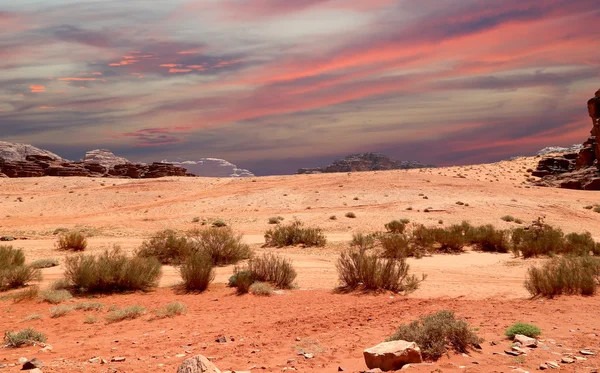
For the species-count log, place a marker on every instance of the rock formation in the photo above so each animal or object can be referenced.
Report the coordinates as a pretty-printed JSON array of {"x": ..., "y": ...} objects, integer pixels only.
[
  {"x": 213, "y": 167},
  {"x": 576, "y": 170},
  {"x": 103, "y": 157},
  {"x": 364, "y": 162},
  {"x": 12, "y": 152},
  {"x": 559, "y": 149},
  {"x": 392, "y": 355}
]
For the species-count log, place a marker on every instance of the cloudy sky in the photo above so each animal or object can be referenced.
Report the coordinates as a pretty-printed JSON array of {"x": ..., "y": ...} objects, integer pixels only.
[{"x": 273, "y": 85}]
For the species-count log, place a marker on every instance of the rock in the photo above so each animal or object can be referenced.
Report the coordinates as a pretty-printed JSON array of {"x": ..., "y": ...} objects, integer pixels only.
[
  {"x": 587, "y": 352},
  {"x": 197, "y": 364},
  {"x": 579, "y": 358},
  {"x": 15, "y": 152},
  {"x": 22, "y": 360},
  {"x": 513, "y": 353},
  {"x": 212, "y": 167},
  {"x": 567, "y": 360},
  {"x": 104, "y": 158},
  {"x": 46, "y": 348},
  {"x": 2, "y": 176},
  {"x": 519, "y": 370},
  {"x": 392, "y": 355},
  {"x": 543, "y": 366},
  {"x": 94, "y": 360},
  {"x": 525, "y": 340},
  {"x": 221, "y": 339},
  {"x": 341, "y": 369},
  {"x": 32, "y": 364},
  {"x": 558, "y": 149},
  {"x": 117, "y": 359},
  {"x": 364, "y": 162},
  {"x": 308, "y": 356}
]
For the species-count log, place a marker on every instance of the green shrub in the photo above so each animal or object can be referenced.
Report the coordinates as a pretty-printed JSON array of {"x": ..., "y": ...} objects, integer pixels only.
[
  {"x": 167, "y": 246},
  {"x": 219, "y": 223},
  {"x": 111, "y": 272},
  {"x": 89, "y": 306},
  {"x": 72, "y": 241},
  {"x": 261, "y": 288},
  {"x": 25, "y": 337},
  {"x": 395, "y": 245},
  {"x": 273, "y": 269},
  {"x": 528, "y": 330},
  {"x": 275, "y": 219},
  {"x": 435, "y": 332},
  {"x": 45, "y": 263},
  {"x": 222, "y": 245},
  {"x": 90, "y": 319},
  {"x": 127, "y": 313},
  {"x": 351, "y": 215},
  {"x": 197, "y": 272},
  {"x": 363, "y": 241},
  {"x": 60, "y": 311},
  {"x": 13, "y": 271},
  {"x": 536, "y": 241},
  {"x": 170, "y": 310},
  {"x": 241, "y": 279},
  {"x": 580, "y": 244},
  {"x": 508, "y": 218},
  {"x": 54, "y": 296},
  {"x": 566, "y": 275},
  {"x": 358, "y": 269},
  {"x": 10, "y": 257},
  {"x": 396, "y": 226},
  {"x": 489, "y": 239},
  {"x": 295, "y": 234}
]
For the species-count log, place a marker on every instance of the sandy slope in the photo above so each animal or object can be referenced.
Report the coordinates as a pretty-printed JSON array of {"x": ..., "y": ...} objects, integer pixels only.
[{"x": 486, "y": 288}]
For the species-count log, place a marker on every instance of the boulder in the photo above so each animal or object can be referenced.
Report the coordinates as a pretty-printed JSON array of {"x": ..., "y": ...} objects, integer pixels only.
[
  {"x": 197, "y": 364},
  {"x": 392, "y": 355},
  {"x": 364, "y": 162},
  {"x": 32, "y": 364},
  {"x": 15, "y": 152},
  {"x": 525, "y": 340},
  {"x": 104, "y": 158}
]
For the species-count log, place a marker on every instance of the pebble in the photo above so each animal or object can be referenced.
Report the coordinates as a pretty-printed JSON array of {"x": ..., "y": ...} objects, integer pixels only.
[
  {"x": 180, "y": 355},
  {"x": 552, "y": 364},
  {"x": 117, "y": 359},
  {"x": 22, "y": 360},
  {"x": 587, "y": 352},
  {"x": 341, "y": 369},
  {"x": 543, "y": 366},
  {"x": 567, "y": 360}
]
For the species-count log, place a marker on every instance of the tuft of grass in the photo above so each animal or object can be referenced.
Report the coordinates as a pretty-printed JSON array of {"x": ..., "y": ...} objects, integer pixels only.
[
  {"x": 13, "y": 271},
  {"x": 275, "y": 219},
  {"x": 72, "y": 241},
  {"x": 30, "y": 294},
  {"x": 60, "y": 311},
  {"x": 25, "y": 337},
  {"x": 363, "y": 241},
  {"x": 33, "y": 316},
  {"x": 170, "y": 310},
  {"x": 45, "y": 263},
  {"x": 166, "y": 246},
  {"x": 219, "y": 223},
  {"x": 350, "y": 215},
  {"x": 508, "y": 218},
  {"x": 197, "y": 272},
  {"x": 261, "y": 288},
  {"x": 222, "y": 245},
  {"x": 54, "y": 296},
  {"x": 295, "y": 234},
  {"x": 127, "y": 313},
  {"x": 528, "y": 330},
  {"x": 396, "y": 226},
  {"x": 90, "y": 319},
  {"x": 565, "y": 275},
  {"x": 89, "y": 306},
  {"x": 437, "y": 332},
  {"x": 357, "y": 269},
  {"x": 273, "y": 269}
]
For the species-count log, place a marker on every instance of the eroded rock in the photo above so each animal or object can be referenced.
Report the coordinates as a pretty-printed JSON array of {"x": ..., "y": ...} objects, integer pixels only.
[
  {"x": 392, "y": 355},
  {"x": 197, "y": 364}
]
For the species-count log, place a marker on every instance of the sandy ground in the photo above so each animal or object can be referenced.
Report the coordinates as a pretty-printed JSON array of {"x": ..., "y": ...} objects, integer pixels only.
[{"x": 485, "y": 288}]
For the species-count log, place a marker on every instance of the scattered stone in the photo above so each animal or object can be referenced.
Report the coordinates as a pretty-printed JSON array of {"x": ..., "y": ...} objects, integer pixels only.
[
  {"x": 22, "y": 360},
  {"x": 47, "y": 348},
  {"x": 543, "y": 366},
  {"x": 298, "y": 339},
  {"x": 519, "y": 370},
  {"x": 526, "y": 341},
  {"x": 392, "y": 355},
  {"x": 197, "y": 364},
  {"x": 587, "y": 352},
  {"x": 341, "y": 369},
  {"x": 493, "y": 343},
  {"x": 579, "y": 358},
  {"x": 512, "y": 353},
  {"x": 117, "y": 359},
  {"x": 308, "y": 356},
  {"x": 180, "y": 355},
  {"x": 94, "y": 360},
  {"x": 221, "y": 339},
  {"x": 291, "y": 361},
  {"x": 567, "y": 360},
  {"x": 32, "y": 364},
  {"x": 35, "y": 370}
]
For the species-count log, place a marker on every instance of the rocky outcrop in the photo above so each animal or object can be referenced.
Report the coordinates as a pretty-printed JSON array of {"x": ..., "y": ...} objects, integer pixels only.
[
  {"x": 392, "y": 355},
  {"x": 576, "y": 170},
  {"x": 213, "y": 167},
  {"x": 559, "y": 149},
  {"x": 15, "y": 152},
  {"x": 104, "y": 158},
  {"x": 197, "y": 364},
  {"x": 364, "y": 162}
]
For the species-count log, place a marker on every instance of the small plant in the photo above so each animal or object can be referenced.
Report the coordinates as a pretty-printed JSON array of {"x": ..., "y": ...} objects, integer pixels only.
[
  {"x": 13, "y": 271},
  {"x": 350, "y": 215},
  {"x": 333, "y": 217},
  {"x": 222, "y": 245},
  {"x": 597, "y": 209},
  {"x": 261, "y": 288},
  {"x": 565, "y": 275},
  {"x": 166, "y": 246},
  {"x": 363, "y": 241},
  {"x": 275, "y": 219},
  {"x": 170, "y": 310},
  {"x": 54, "y": 296},
  {"x": 25, "y": 337},
  {"x": 508, "y": 218},
  {"x": 528, "y": 330},
  {"x": 72, "y": 241},
  {"x": 60, "y": 311},
  {"x": 273, "y": 269},
  {"x": 396, "y": 226},
  {"x": 295, "y": 234},
  {"x": 197, "y": 272},
  {"x": 219, "y": 223},
  {"x": 90, "y": 319},
  {"x": 460, "y": 203},
  {"x": 127, "y": 313},
  {"x": 89, "y": 306},
  {"x": 241, "y": 279},
  {"x": 33, "y": 316},
  {"x": 435, "y": 332},
  {"x": 60, "y": 230},
  {"x": 196, "y": 220},
  {"x": 45, "y": 263}
]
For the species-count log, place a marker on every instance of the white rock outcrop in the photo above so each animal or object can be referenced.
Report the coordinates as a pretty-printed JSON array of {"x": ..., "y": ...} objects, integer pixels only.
[
  {"x": 212, "y": 167},
  {"x": 103, "y": 157},
  {"x": 13, "y": 152}
]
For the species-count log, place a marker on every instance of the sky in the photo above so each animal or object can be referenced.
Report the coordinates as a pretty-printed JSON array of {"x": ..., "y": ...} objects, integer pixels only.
[{"x": 274, "y": 85}]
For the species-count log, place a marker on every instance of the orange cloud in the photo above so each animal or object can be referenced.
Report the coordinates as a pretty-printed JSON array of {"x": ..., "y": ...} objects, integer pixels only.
[
  {"x": 37, "y": 88},
  {"x": 176, "y": 71},
  {"x": 77, "y": 79}
]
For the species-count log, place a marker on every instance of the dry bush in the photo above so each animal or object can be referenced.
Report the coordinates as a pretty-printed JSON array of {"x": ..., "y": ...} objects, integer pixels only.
[
  {"x": 31, "y": 317},
  {"x": 167, "y": 246},
  {"x": 396, "y": 226},
  {"x": 276, "y": 219},
  {"x": 111, "y": 272},
  {"x": 28, "y": 294},
  {"x": 508, "y": 218},
  {"x": 13, "y": 271},
  {"x": 358, "y": 269},
  {"x": 537, "y": 240},
  {"x": 435, "y": 332},
  {"x": 127, "y": 313},
  {"x": 566, "y": 275},
  {"x": 71, "y": 241},
  {"x": 170, "y": 310},
  {"x": 295, "y": 234},
  {"x": 60, "y": 311},
  {"x": 363, "y": 241},
  {"x": 89, "y": 306},
  {"x": 350, "y": 215},
  {"x": 54, "y": 296},
  {"x": 25, "y": 337},
  {"x": 273, "y": 269},
  {"x": 489, "y": 239},
  {"x": 45, "y": 263},
  {"x": 395, "y": 245},
  {"x": 261, "y": 288},
  {"x": 197, "y": 272},
  {"x": 222, "y": 245},
  {"x": 241, "y": 279},
  {"x": 580, "y": 244}
]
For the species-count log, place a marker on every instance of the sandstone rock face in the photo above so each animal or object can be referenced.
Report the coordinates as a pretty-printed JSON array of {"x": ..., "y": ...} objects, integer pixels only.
[
  {"x": 12, "y": 152},
  {"x": 392, "y": 355},
  {"x": 364, "y": 162},
  {"x": 197, "y": 364},
  {"x": 559, "y": 149},
  {"x": 104, "y": 158},
  {"x": 213, "y": 167}
]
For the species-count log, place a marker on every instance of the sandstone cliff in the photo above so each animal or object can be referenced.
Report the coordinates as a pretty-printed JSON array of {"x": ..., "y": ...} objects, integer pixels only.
[{"x": 364, "y": 162}]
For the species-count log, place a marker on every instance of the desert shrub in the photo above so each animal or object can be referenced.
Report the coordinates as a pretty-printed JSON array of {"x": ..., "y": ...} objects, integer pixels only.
[
  {"x": 10, "y": 257},
  {"x": 396, "y": 226},
  {"x": 434, "y": 332},
  {"x": 222, "y": 245},
  {"x": 90, "y": 319},
  {"x": 13, "y": 271},
  {"x": 60, "y": 284},
  {"x": 33, "y": 316},
  {"x": 528, "y": 330},
  {"x": 219, "y": 223},
  {"x": 358, "y": 269},
  {"x": 167, "y": 246},
  {"x": 30, "y": 293},
  {"x": 113, "y": 271},
  {"x": 197, "y": 272},
  {"x": 170, "y": 310},
  {"x": 127, "y": 313},
  {"x": 241, "y": 279},
  {"x": 60, "y": 230},
  {"x": 45, "y": 263},
  {"x": 508, "y": 218},
  {"x": 597, "y": 209},
  {"x": 295, "y": 234},
  {"x": 196, "y": 220},
  {"x": 350, "y": 215},
  {"x": 275, "y": 219},
  {"x": 60, "y": 311},
  {"x": 565, "y": 275},
  {"x": 395, "y": 245},
  {"x": 54, "y": 296},
  {"x": 580, "y": 244},
  {"x": 24, "y": 337},
  {"x": 261, "y": 288},
  {"x": 536, "y": 241},
  {"x": 273, "y": 269},
  {"x": 363, "y": 241},
  {"x": 489, "y": 239},
  {"x": 89, "y": 306},
  {"x": 333, "y": 217},
  {"x": 72, "y": 241}
]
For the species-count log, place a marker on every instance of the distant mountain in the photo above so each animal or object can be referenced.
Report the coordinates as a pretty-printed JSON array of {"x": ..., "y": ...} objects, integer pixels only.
[
  {"x": 364, "y": 162},
  {"x": 15, "y": 152},
  {"x": 212, "y": 167},
  {"x": 558, "y": 149}
]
